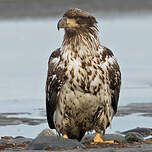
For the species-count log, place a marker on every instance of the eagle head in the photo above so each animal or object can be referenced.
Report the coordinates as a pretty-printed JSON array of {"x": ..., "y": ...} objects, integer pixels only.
[{"x": 75, "y": 19}]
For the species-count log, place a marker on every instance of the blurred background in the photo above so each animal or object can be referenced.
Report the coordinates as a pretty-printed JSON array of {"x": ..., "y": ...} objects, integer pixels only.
[{"x": 28, "y": 35}]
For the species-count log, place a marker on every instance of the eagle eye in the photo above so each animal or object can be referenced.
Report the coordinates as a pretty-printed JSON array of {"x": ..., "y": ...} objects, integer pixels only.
[{"x": 90, "y": 21}]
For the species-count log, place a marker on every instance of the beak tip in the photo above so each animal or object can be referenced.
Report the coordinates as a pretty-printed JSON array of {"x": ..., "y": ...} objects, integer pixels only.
[
  {"x": 61, "y": 23},
  {"x": 58, "y": 27}
]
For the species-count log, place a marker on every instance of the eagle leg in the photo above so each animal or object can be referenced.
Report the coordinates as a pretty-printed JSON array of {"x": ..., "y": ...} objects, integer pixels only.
[
  {"x": 98, "y": 139},
  {"x": 64, "y": 136}
]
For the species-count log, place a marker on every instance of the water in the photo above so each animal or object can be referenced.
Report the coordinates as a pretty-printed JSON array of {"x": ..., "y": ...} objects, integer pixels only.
[{"x": 24, "y": 52}]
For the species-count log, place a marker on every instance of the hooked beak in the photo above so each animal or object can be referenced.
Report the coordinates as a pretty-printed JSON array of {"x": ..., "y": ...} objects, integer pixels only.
[
  {"x": 62, "y": 23},
  {"x": 65, "y": 22}
]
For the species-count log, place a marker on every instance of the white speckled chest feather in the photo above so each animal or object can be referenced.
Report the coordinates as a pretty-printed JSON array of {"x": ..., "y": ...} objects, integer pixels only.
[{"x": 86, "y": 88}]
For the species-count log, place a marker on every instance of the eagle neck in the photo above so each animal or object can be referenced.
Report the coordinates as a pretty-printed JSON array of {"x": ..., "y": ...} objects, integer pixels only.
[{"x": 82, "y": 43}]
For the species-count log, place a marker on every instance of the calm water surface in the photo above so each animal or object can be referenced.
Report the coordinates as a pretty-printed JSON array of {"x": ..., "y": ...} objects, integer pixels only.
[{"x": 24, "y": 52}]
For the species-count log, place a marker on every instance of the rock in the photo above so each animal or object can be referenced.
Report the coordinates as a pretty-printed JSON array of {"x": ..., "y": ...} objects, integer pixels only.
[
  {"x": 22, "y": 140},
  {"x": 17, "y": 143},
  {"x": 87, "y": 138},
  {"x": 142, "y": 131},
  {"x": 47, "y": 132},
  {"x": 132, "y": 137},
  {"x": 53, "y": 143},
  {"x": 115, "y": 137},
  {"x": 47, "y": 140},
  {"x": 148, "y": 141},
  {"x": 7, "y": 137},
  {"x": 2, "y": 147},
  {"x": 19, "y": 137}
]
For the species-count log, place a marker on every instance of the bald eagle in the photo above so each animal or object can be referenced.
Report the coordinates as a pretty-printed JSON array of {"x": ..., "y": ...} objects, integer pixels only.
[{"x": 83, "y": 81}]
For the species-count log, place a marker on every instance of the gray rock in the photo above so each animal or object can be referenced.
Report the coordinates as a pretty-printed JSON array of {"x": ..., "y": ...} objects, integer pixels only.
[
  {"x": 47, "y": 132},
  {"x": 22, "y": 140},
  {"x": 143, "y": 131},
  {"x": 116, "y": 137},
  {"x": 132, "y": 137},
  {"x": 53, "y": 143}
]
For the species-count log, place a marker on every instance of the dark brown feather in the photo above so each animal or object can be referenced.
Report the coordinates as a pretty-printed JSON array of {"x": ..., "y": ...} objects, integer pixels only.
[
  {"x": 77, "y": 13},
  {"x": 115, "y": 78},
  {"x": 55, "y": 79}
]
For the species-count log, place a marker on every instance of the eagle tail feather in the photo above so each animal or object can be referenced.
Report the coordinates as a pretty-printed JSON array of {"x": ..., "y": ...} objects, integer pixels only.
[{"x": 109, "y": 116}]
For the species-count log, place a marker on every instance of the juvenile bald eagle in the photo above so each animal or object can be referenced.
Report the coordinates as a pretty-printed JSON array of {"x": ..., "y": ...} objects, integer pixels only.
[{"x": 83, "y": 81}]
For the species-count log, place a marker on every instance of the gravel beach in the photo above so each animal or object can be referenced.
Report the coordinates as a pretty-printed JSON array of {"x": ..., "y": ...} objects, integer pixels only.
[{"x": 47, "y": 140}]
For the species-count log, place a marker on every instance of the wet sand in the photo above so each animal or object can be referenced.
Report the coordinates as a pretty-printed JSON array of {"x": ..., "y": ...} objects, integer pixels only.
[
  {"x": 10, "y": 9},
  {"x": 142, "y": 109}
]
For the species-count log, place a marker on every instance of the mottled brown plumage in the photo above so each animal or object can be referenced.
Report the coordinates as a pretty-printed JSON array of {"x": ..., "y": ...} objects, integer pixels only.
[{"x": 83, "y": 82}]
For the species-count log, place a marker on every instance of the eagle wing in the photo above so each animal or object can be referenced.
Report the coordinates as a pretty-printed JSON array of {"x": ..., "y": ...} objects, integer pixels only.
[
  {"x": 55, "y": 80},
  {"x": 114, "y": 77}
]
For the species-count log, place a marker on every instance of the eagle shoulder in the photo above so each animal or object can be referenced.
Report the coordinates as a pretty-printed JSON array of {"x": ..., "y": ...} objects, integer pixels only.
[{"x": 54, "y": 82}]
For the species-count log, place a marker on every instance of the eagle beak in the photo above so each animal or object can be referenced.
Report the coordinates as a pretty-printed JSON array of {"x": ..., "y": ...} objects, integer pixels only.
[
  {"x": 62, "y": 23},
  {"x": 65, "y": 22}
]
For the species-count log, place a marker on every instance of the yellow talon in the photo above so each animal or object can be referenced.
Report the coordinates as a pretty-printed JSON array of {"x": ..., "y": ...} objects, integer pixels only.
[
  {"x": 98, "y": 139},
  {"x": 64, "y": 136},
  {"x": 109, "y": 142}
]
